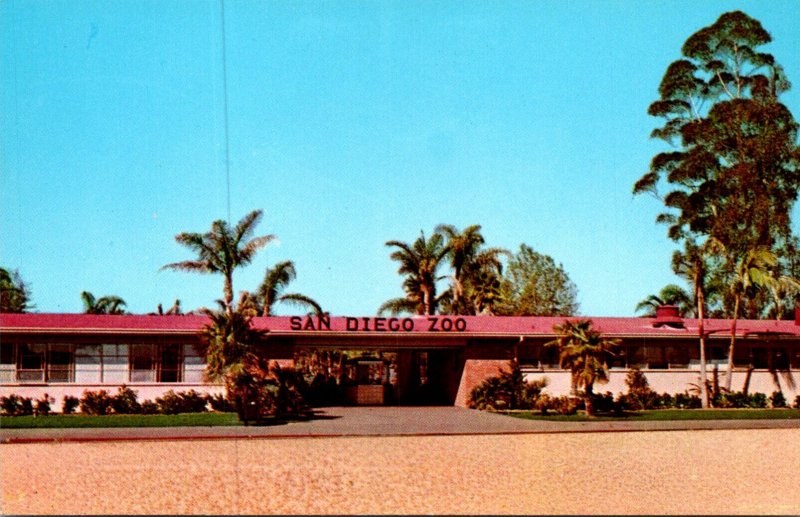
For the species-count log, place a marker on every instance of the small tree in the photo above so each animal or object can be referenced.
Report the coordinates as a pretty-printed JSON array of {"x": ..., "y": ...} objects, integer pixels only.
[
  {"x": 585, "y": 353},
  {"x": 533, "y": 284}
]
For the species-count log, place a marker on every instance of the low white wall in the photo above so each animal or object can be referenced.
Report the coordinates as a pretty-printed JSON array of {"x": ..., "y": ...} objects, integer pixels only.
[
  {"x": 679, "y": 381},
  {"x": 143, "y": 391}
]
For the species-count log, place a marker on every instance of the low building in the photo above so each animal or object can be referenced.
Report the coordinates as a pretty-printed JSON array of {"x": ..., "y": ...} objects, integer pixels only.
[{"x": 419, "y": 360}]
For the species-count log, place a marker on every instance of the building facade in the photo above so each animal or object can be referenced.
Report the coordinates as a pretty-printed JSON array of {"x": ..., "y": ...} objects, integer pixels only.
[{"x": 404, "y": 360}]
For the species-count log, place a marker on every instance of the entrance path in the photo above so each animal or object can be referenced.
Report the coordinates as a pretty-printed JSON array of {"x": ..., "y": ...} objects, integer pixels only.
[{"x": 383, "y": 421}]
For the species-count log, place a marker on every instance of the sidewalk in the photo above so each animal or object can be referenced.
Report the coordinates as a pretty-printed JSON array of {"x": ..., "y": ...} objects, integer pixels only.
[{"x": 382, "y": 421}]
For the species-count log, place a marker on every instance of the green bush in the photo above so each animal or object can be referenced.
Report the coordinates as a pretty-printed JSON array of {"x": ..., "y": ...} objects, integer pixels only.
[
  {"x": 15, "y": 405},
  {"x": 96, "y": 402},
  {"x": 777, "y": 400},
  {"x": 125, "y": 403},
  {"x": 758, "y": 401},
  {"x": 42, "y": 406},
  {"x": 69, "y": 405},
  {"x": 797, "y": 402},
  {"x": 560, "y": 405},
  {"x": 219, "y": 403},
  {"x": 193, "y": 402},
  {"x": 149, "y": 407},
  {"x": 687, "y": 401},
  {"x": 171, "y": 403},
  {"x": 507, "y": 390},
  {"x": 640, "y": 395},
  {"x": 605, "y": 403}
]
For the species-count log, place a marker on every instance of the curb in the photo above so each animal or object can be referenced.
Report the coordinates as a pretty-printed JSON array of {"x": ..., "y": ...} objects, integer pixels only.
[{"x": 742, "y": 425}]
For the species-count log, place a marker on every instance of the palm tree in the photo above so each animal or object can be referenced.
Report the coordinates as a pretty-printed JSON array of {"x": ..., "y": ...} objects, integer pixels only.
[
  {"x": 476, "y": 271},
  {"x": 228, "y": 347},
  {"x": 753, "y": 272},
  {"x": 670, "y": 294},
  {"x": 102, "y": 305},
  {"x": 585, "y": 352},
  {"x": 223, "y": 249},
  {"x": 691, "y": 264},
  {"x": 420, "y": 262},
  {"x": 174, "y": 310},
  {"x": 14, "y": 293},
  {"x": 271, "y": 289}
]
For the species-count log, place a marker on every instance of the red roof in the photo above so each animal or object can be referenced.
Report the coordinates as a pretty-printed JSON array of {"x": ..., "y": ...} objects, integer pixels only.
[{"x": 33, "y": 323}]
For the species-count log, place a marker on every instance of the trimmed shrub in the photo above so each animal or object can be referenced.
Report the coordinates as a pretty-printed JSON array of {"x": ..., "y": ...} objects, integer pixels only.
[
  {"x": 193, "y": 402},
  {"x": 797, "y": 402},
  {"x": 148, "y": 407},
  {"x": 124, "y": 402},
  {"x": 560, "y": 405},
  {"x": 605, "y": 403},
  {"x": 169, "y": 403},
  {"x": 639, "y": 395},
  {"x": 42, "y": 406},
  {"x": 15, "y": 405},
  {"x": 507, "y": 390},
  {"x": 777, "y": 400},
  {"x": 218, "y": 402},
  {"x": 95, "y": 402},
  {"x": 687, "y": 401},
  {"x": 69, "y": 405}
]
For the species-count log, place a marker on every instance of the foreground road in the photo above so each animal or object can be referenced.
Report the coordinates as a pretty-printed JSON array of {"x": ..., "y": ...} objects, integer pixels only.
[{"x": 727, "y": 471}]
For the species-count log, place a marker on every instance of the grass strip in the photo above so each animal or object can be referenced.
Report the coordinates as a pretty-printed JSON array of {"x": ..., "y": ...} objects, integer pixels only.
[
  {"x": 98, "y": 421},
  {"x": 669, "y": 414}
]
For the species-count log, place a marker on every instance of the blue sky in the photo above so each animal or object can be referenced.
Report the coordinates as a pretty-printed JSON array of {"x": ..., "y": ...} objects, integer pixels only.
[{"x": 350, "y": 124}]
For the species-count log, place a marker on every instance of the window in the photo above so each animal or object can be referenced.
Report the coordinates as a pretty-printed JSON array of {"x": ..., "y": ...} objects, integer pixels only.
[
  {"x": 741, "y": 356},
  {"x": 636, "y": 357},
  {"x": 88, "y": 367},
  {"x": 655, "y": 357},
  {"x": 115, "y": 364},
  {"x": 550, "y": 357},
  {"x": 171, "y": 362},
  {"x": 760, "y": 357},
  {"x": 143, "y": 363},
  {"x": 780, "y": 359},
  {"x": 59, "y": 363},
  {"x": 718, "y": 354},
  {"x": 678, "y": 356},
  {"x": 8, "y": 363},
  {"x": 193, "y": 365},
  {"x": 31, "y": 363}
]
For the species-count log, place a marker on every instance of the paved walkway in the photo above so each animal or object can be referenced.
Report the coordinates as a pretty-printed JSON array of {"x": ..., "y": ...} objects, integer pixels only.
[{"x": 383, "y": 421}]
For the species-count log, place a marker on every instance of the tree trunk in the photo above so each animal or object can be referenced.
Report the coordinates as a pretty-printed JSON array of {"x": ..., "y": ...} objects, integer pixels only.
[
  {"x": 588, "y": 400},
  {"x": 228, "y": 291},
  {"x": 701, "y": 330},
  {"x": 729, "y": 375}
]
